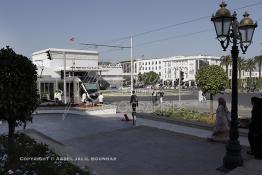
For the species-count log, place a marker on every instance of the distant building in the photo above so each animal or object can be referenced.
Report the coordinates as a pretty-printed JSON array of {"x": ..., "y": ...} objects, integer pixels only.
[
  {"x": 187, "y": 64},
  {"x": 74, "y": 61},
  {"x": 168, "y": 68},
  {"x": 77, "y": 63},
  {"x": 113, "y": 74},
  {"x": 126, "y": 67}
]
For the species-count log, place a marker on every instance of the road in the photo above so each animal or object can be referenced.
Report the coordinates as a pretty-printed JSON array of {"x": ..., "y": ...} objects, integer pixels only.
[{"x": 243, "y": 98}]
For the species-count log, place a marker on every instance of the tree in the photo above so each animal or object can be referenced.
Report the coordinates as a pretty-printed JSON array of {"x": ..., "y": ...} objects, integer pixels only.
[
  {"x": 250, "y": 65},
  {"x": 258, "y": 60},
  {"x": 226, "y": 61},
  {"x": 150, "y": 78},
  {"x": 18, "y": 93},
  {"x": 240, "y": 67},
  {"x": 140, "y": 77},
  {"x": 211, "y": 79}
]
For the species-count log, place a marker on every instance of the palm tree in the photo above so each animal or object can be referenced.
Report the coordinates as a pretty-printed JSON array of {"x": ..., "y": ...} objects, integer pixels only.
[
  {"x": 226, "y": 61},
  {"x": 240, "y": 67},
  {"x": 250, "y": 65},
  {"x": 258, "y": 60}
]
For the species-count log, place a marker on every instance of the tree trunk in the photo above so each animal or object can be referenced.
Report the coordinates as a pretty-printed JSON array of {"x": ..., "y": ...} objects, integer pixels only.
[
  {"x": 11, "y": 143},
  {"x": 239, "y": 79},
  {"x": 228, "y": 84},
  {"x": 250, "y": 80},
  {"x": 211, "y": 104},
  {"x": 259, "y": 69},
  {"x": 259, "y": 72}
]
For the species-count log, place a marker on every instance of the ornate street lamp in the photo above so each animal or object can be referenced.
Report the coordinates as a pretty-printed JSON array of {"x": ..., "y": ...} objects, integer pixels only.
[{"x": 229, "y": 30}]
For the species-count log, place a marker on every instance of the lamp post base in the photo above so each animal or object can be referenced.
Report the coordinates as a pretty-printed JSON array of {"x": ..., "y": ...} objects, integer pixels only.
[{"x": 233, "y": 156}]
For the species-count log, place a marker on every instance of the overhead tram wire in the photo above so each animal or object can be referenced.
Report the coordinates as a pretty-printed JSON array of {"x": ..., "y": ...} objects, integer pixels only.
[
  {"x": 173, "y": 26},
  {"x": 165, "y": 39},
  {"x": 104, "y": 45},
  {"x": 174, "y": 37},
  {"x": 178, "y": 24}
]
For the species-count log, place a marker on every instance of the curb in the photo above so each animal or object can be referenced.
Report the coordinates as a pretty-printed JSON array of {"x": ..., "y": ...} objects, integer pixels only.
[{"x": 242, "y": 132}]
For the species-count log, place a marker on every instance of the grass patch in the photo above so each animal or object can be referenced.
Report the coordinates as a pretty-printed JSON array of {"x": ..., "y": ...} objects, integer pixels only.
[{"x": 186, "y": 114}]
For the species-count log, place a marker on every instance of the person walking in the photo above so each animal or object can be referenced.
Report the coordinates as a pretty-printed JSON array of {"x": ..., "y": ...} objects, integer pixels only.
[
  {"x": 161, "y": 96},
  {"x": 56, "y": 96},
  {"x": 221, "y": 128},
  {"x": 154, "y": 97},
  {"x": 101, "y": 98},
  {"x": 255, "y": 128},
  {"x": 134, "y": 104},
  {"x": 59, "y": 96}
]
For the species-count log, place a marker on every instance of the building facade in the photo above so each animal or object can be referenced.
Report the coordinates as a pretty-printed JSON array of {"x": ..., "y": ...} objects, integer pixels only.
[
  {"x": 51, "y": 64},
  {"x": 168, "y": 68},
  {"x": 113, "y": 74}
]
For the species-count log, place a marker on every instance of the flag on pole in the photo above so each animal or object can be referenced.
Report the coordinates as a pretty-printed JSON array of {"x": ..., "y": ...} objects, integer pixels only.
[{"x": 72, "y": 39}]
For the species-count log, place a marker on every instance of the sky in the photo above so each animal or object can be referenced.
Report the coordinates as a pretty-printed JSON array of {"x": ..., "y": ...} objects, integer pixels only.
[{"x": 32, "y": 25}]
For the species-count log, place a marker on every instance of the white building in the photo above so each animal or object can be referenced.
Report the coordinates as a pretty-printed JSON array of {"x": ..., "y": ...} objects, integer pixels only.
[
  {"x": 187, "y": 64},
  {"x": 169, "y": 68},
  {"x": 71, "y": 60},
  {"x": 75, "y": 63},
  {"x": 113, "y": 74}
]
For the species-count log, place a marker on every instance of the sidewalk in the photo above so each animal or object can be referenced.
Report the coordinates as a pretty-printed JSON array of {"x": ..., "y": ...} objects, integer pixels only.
[
  {"x": 183, "y": 129},
  {"x": 150, "y": 148},
  {"x": 250, "y": 167}
]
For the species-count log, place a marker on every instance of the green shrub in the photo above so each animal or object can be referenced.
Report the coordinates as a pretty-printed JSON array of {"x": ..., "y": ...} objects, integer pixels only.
[
  {"x": 186, "y": 114},
  {"x": 27, "y": 147}
]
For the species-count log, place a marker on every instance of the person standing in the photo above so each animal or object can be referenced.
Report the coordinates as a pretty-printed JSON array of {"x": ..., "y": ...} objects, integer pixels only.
[
  {"x": 59, "y": 96},
  {"x": 55, "y": 96},
  {"x": 101, "y": 98},
  {"x": 221, "y": 129},
  {"x": 255, "y": 128},
  {"x": 134, "y": 104},
  {"x": 83, "y": 98},
  {"x": 161, "y": 95}
]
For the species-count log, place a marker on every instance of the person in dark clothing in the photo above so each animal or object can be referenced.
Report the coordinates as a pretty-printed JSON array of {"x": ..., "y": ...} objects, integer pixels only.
[
  {"x": 255, "y": 128},
  {"x": 134, "y": 104}
]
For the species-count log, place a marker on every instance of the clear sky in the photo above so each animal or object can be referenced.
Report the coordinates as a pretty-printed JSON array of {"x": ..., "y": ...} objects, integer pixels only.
[{"x": 32, "y": 25}]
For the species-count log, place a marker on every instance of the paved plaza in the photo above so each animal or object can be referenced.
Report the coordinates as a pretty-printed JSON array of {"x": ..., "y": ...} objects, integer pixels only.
[{"x": 150, "y": 148}]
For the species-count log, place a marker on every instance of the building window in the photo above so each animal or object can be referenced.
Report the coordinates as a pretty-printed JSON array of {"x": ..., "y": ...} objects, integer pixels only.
[{"x": 159, "y": 67}]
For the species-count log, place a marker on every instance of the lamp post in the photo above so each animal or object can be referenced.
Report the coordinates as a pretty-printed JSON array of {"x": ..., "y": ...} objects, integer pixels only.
[{"x": 228, "y": 29}]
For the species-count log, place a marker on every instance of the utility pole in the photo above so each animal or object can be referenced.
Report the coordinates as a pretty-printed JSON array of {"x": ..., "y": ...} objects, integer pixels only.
[
  {"x": 132, "y": 65},
  {"x": 64, "y": 77},
  {"x": 179, "y": 86}
]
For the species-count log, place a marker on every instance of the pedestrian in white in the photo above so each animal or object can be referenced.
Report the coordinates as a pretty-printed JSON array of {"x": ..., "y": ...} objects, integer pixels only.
[
  {"x": 101, "y": 98},
  {"x": 200, "y": 96},
  {"x": 55, "y": 96},
  {"x": 83, "y": 98},
  {"x": 59, "y": 96}
]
